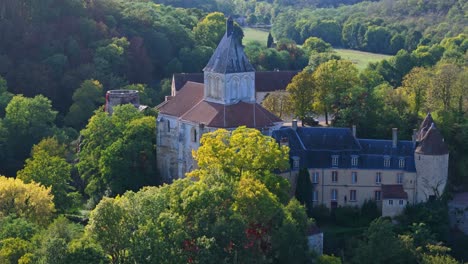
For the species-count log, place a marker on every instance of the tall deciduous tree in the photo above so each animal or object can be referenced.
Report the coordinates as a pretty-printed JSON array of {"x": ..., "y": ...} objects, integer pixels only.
[
  {"x": 332, "y": 79},
  {"x": 117, "y": 152},
  {"x": 51, "y": 171},
  {"x": 31, "y": 201},
  {"x": 86, "y": 99},
  {"x": 302, "y": 89},
  {"x": 279, "y": 103},
  {"x": 27, "y": 121},
  {"x": 210, "y": 30}
]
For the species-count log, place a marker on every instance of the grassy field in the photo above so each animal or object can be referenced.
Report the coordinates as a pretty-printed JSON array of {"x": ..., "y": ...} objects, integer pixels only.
[
  {"x": 255, "y": 34},
  {"x": 360, "y": 58}
]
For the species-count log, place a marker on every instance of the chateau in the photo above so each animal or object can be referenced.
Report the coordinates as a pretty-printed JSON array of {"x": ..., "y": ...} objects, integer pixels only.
[
  {"x": 344, "y": 169},
  {"x": 347, "y": 170},
  {"x": 226, "y": 99}
]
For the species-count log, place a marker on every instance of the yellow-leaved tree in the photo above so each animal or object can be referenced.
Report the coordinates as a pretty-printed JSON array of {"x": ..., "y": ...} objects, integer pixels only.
[{"x": 31, "y": 201}]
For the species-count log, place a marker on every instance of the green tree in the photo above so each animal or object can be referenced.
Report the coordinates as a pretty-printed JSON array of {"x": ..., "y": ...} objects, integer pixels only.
[
  {"x": 13, "y": 249},
  {"x": 314, "y": 44},
  {"x": 302, "y": 89},
  {"x": 51, "y": 171},
  {"x": 304, "y": 189},
  {"x": 5, "y": 96},
  {"x": 279, "y": 103},
  {"x": 117, "y": 152},
  {"x": 381, "y": 245},
  {"x": 415, "y": 85},
  {"x": 30, "y": 201},
  {"x": 210, "y": 30},
  {"x": 270, "y": 40},
  {"x": 27, "y": 121},
  {"x": 87, "y": 98},
  {"x": 332, "y": 79}
]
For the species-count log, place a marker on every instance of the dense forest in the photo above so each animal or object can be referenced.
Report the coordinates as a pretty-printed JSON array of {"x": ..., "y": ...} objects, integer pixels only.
[{"x": 62, "y": 153}]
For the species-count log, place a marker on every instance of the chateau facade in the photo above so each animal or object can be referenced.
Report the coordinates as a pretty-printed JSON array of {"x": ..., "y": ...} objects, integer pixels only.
[
  {"x": 226, "y": 99},
  {"x": 346, "y": 170}
]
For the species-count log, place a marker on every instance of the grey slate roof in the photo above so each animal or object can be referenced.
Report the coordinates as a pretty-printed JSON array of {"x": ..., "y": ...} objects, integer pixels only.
[
  {"x": 432, "y": 143},
  {"x": 229, "y": 56},
  {"x": 316, "y": 145}
]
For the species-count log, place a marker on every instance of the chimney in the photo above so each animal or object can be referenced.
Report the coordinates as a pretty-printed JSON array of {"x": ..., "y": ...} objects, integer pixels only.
[
  {"x": 229, "y": 26},
  {"x": 354, "y": 131},
  {"x": 415, "y": 135},
  {"x": 394, "y": 137},
  {"x": 294, "y": 124}
]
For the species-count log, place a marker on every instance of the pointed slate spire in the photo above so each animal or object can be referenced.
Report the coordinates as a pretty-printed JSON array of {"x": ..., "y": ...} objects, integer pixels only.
[
  {"x": 432, "y": 143},
  {"x": 424, "y": 127},
  {"x": 229, "y": 56}
]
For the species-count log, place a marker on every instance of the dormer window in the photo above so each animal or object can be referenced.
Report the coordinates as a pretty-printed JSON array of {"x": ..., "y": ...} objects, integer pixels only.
[
  {"x": 387, "y": 161},
  {"x": 401, "y": 163},
  {"x": 335, "y": 160},
  {"x": 354, "y": 161},
  {"x": 295, "y": 162}
]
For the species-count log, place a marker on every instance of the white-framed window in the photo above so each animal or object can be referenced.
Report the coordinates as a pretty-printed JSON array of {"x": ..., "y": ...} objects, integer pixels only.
[
  {"x": 378, "y": 195},
  {"x": 334, "y": 176},
  {"x": 334, "y": 194},
  {"x": 354, "y": 161},
  {"x": 378, "y": 178},
  {"x": 400, "y": 202},
  {"x": 401, "y": 163},
  {"x": 295, "y": 162},
  {"x": 315, "y": 196},
  {"x": 352, "y": 195},
  {"x": 386, "y": 161},
  {"x": 390, "y": 202},
  {"x": 335, "y": 160},
  {"x": 353, "y": 177},
  {"x": 400, "y": 178},
  {"x": 315, "y": 177}
]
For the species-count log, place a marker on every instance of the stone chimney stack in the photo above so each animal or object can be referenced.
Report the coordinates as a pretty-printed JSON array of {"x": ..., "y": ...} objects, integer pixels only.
[
  {"x": 415, "y": 135},
  {"x": 294, "y": 124},
  {"x": 394, "y": 137},
  {"x": 354, "y": 131}
]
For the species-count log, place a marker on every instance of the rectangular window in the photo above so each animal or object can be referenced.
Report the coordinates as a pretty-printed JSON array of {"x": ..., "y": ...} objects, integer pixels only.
[
  {"x": 378, "y": 195},
  {"x": 400, "y": 202},
  {"x": 378, "y": 178},
  {"x": 335, "y": 161},
  {"x": 315, "y": 177},
  {"x": 334, "y": 194},
  {"x": 315, "y": 196},
  {"x": 354, "y": 161},
  {"x": 295, "y": 162},
  {"x": 400, "y": 178},
  {"x": 354, "y": 177},
  {"x": 352, "y": 195},
  {"x": 390, "y": 202},
  {"x": 386, "y": 162},
  {"x": 334, "y": 176},
  {"x": 401, "y": 163}
]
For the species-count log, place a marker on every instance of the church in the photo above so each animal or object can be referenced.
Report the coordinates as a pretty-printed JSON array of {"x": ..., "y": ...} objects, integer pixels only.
[{"x": 226, "y": 99}]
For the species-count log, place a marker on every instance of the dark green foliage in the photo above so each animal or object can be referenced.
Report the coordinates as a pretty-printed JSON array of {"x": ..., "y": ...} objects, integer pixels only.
[
  {"x": 433, "y": 214},
  {"x": 270, "y": 40},
  {"x": 304, "y": 189}
]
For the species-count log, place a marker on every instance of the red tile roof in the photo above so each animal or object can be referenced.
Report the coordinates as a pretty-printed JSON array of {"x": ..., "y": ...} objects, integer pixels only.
[
  {"x": 393, "y": 191},
  {"x": 188, "y": 104},
  {"x": 191, "y": 94}
]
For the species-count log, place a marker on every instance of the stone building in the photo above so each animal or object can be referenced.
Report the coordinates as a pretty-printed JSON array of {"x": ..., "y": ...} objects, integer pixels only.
[
  {"x": 225, "y": 99},
  {"x": 347, "y": 170}
]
